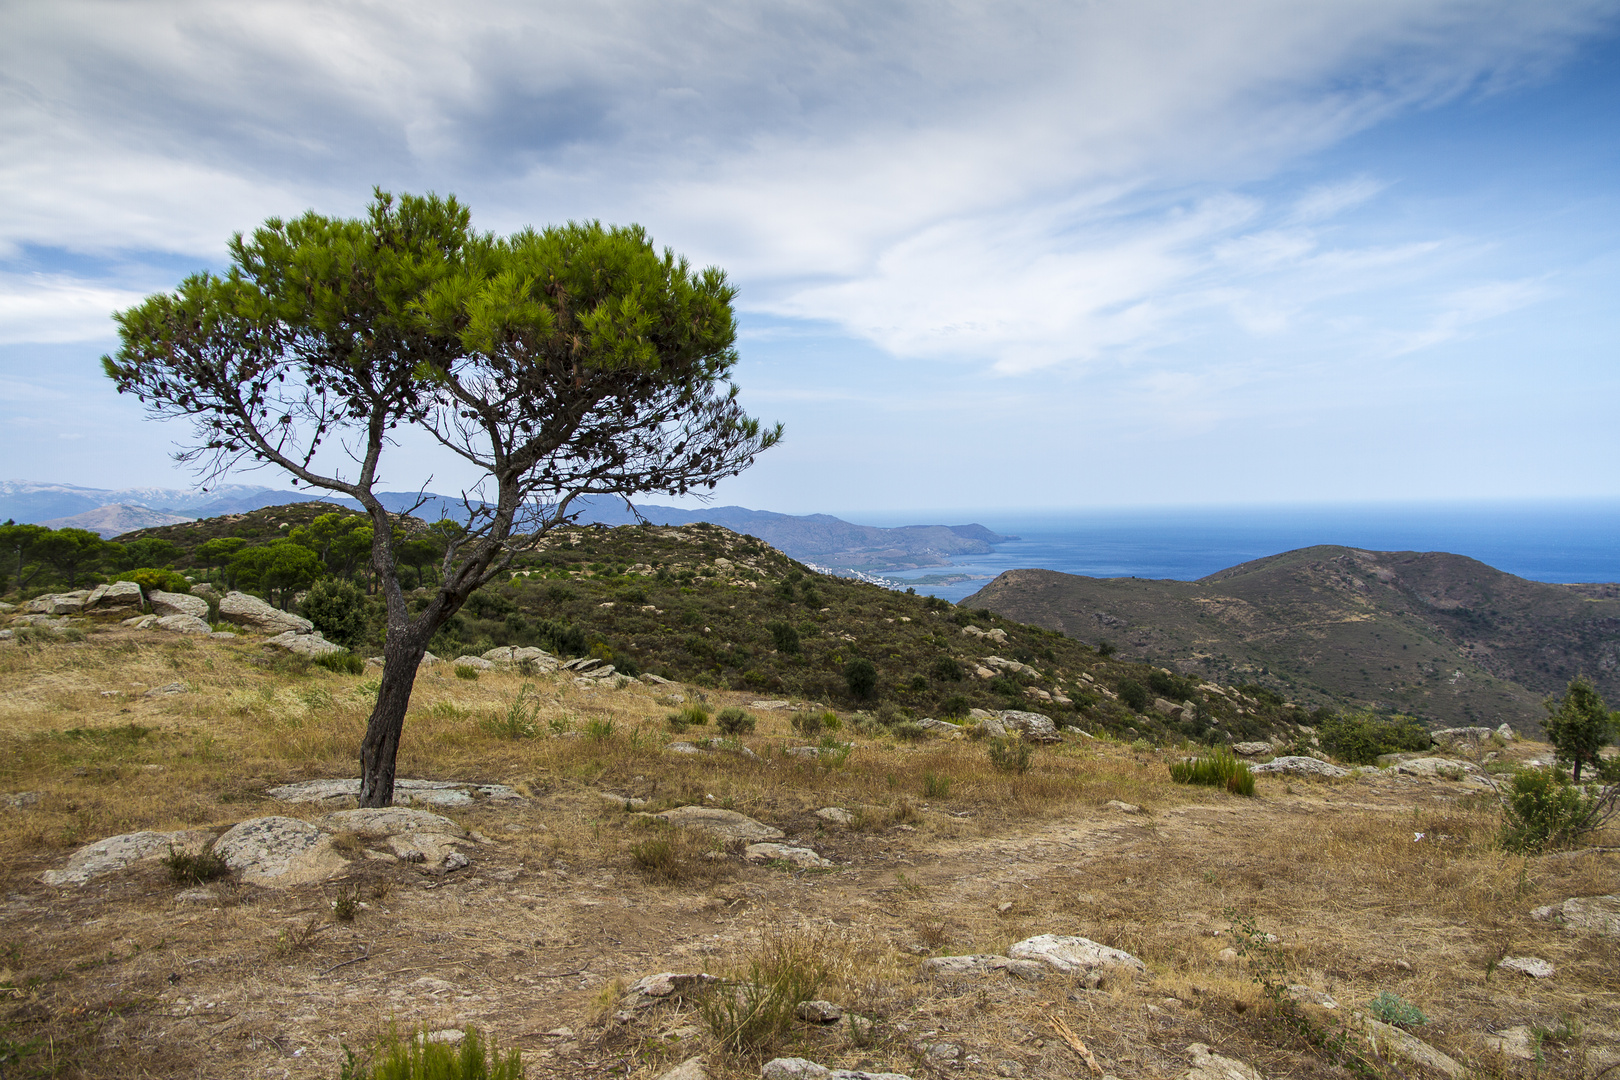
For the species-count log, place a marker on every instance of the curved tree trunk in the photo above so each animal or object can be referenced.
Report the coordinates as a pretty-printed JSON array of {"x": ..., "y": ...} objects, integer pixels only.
[{"x": 402, "y": 655}]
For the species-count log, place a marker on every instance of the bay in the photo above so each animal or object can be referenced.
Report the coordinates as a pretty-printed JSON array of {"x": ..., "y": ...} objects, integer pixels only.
[{"x": 1542, "y": 541}]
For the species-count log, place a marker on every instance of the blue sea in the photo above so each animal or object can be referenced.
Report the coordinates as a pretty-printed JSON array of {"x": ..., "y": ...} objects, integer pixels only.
[{"x": 1547, "y": 541}]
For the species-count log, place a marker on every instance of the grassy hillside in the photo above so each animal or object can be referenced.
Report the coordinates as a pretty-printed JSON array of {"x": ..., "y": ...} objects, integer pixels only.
[
  {"x": 1440, "y": 636},
  {"x": 700, "y": 604}
]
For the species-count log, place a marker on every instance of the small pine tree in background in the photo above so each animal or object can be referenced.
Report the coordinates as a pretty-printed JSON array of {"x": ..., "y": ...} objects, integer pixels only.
[
  {"x": 338, "y": 610},
  {"x": 1579, "y": 726}
]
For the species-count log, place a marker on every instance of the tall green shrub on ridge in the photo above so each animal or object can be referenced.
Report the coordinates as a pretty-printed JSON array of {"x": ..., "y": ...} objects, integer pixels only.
[{"x": 1580, "y": 725}]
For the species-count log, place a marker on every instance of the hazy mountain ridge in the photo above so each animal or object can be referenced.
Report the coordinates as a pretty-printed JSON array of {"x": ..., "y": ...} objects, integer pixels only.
[
  {"x": 818, "y": 538},
  {"x": 1439, "y": 635}
]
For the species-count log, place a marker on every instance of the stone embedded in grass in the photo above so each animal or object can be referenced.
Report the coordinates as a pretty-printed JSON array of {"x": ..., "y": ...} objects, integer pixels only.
[
  {"x": 837, "y": 815},
  {"x": 255, "y": 614},
  {"x": 1533, "y": 966},
  {"x": 798, "y": 856},
  {"x": 804, "y": 1069},
  {"x": 1123, "y": 807},
  {"x": 1597, "y": 913},
  {"x": 690, "y": 1069},
  {"x": 166, "y": 691},
  {"x": 406, "y": 792},
  {"x": 818, "y": 1012},
  {"x": 1389, "y": 1041},
  {"x": 1034, "y": 727},
  {"x": 170, "y": 603},
  {"x": 984, "y": 965},
  {"x": 1251, "y": 749},
  {"x": 1070, "y": 954},
  {"x": 115, "y": 853},
  {"x": 303, "y": 643},
  {"x": 1208, "y": 1065},
  {"x": 1299, "y": 766},
  {"x": 183, "y": 624},
  {"x": 725, "y": 824},
  {"x": 1304, "y": 995},
  {"x": 279, "y": 851}
]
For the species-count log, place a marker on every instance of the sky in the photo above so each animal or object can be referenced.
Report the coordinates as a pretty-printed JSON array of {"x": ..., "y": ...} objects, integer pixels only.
[{"x": 990, "y": 256}]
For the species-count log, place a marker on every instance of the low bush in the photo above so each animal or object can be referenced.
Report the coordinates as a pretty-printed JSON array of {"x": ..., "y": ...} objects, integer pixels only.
[
  {"x": 1396, "y": 1010},
  {"x": 343, "y": 662},
  {"x": 338, "y": 610},
  {"x": 521, "y": 720},
  {"x": 188, "y": 869},
  {"x": 909, "y": 731},
  {"x": 1010, "y": 753},
  {"x": 1543, "y": 809},
  {"x": 415, "y": 1058},
  {"x": 151, "y": 578},
  {"x": 748, "y": 1015},
  {"x": 467, "y": 671},
  {"x": 599, "y": 730},
  {"x": 860, "y": 675},
  {"x": 1134, "y": 694},
  {"x": 936, "y": 786},
  {"x": 733, "y": 721},
  {"x": 1360, "y": 738},
  {"x": 689, "y": 715},
  {"x": 807, "y": 724},
  {"x": 1218, "y": 768},
  {"x": 784, "y": 637}
]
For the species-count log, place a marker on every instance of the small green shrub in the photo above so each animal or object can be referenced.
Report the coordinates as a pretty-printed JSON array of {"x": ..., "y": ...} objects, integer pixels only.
[
  {"x": 733, "y": 721},
  {"x": 947, "y": 669},
  {"x": 1218, "y": 768},
  {"x": 956, "y": 705},
  {"x": 1134, "y": 694},
  {"x": 689, "y": 715},
  {"x": 1396, "y": 1010},
  {"x": 599, "y": 730},
  {"x": 860, "y": 675},
  {"x": 521, "y": 720},
  {"x": 1010, "y": 753},
  {"x": 1175, "y": 687},
  {"x": 338, "y": 610},
  {"x": 154, "y": 579},
  {"x": 188, "y": 869},
  {"x": 807, "y": 724},
  {"x": 909, "y": 731},
  {"x": 1106, "y": 648},
  {"x": 784, "y": 637},
  {"x": 1360, "y": 738},
  {"x": 936, "y": 786},
  {"x": 414, "y": 1058},
  {"x": 830, "y": 721},
  {"x": 342, "y": 663},
  {"x": 748, "y": 1015},
  {"x": 467, "y": 671},
  {"x": 1545, "y": 810}
]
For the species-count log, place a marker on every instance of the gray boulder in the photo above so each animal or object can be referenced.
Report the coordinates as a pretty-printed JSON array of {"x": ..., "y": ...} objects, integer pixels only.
[
  {"x": 1600, "y": 914},
  {"x": 798, "y": 856},
  {"x": 1391, "y": 1042},
  {"x": 255, "y": 614},
  {"x": 1074, "y": 954},
  {"x": 173, "y": 603},
  {"x": 1034, "y": 727},
  {"x": 513, "y": 654},
  {"x": 279, "y": 851},
  {"x": 1208, "y": 1065},
  {"x": 114, "y": 596},
  {"x": 303, "y": 643},
  {"x": 477, "y": 663},
  {"x": 690, "y": 1069},
  {"x": 1436, "y": 766},
  {"x": 406, "y": 792},
  {"x": 1251, "y": 749},
  {"x": 1461, "y": 738},
  {"x": 112, "y": 854},
  {"x": 726, "y": 824},
  {"x": 985, "y": 965},
  {"x": 1299, "y": 766},
  {"x": 182, "y": 624}
]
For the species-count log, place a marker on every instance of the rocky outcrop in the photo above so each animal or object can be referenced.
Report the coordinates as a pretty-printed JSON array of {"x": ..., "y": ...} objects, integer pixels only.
[
  {"x": 115, "y": 853},
  {"x": 255, "y": 614},
  {"x": 1208, "y": 1065},
  {"x": 113, "y": 597},
  {"x": 805, "y": 1069},
  {"x": 278, "y": 850},
  {"x": 985, "y": 965},
  {"x": 303, "y": 643},
  {"x": 182, "y": 624},
  {"x": 543, "y": 661},
  {"x": 1251, "y": 749},
  {"x": 798, "y": 856},
  {"x": 1387, "y": 1041},
  {"x": 1299, "y": 766},
  {"x": 171, "y": 603},
  {"x": 1461, "y": 738},
  {"x": 1034, "y": 727},
  {"x": 1074, "y": 954},
  {"x": 406, "y": 792},
  {"x": 725, "y": 824},
  {"x": 1600, "y": 914}
]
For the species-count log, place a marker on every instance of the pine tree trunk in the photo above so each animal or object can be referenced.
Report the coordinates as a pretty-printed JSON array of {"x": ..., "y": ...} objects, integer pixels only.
[{"x": 402, "y": 655}]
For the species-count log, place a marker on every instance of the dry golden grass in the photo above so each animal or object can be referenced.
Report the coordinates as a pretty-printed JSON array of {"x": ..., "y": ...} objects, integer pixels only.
[{"x": 559, "y": 911}]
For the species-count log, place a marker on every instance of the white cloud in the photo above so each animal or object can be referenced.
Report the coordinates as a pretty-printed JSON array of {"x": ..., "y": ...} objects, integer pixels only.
[{"x": 58, "y": 308}]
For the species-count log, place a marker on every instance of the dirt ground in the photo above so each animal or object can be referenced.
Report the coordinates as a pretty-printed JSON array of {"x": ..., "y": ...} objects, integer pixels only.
[{"x": 1370, "y": 885}]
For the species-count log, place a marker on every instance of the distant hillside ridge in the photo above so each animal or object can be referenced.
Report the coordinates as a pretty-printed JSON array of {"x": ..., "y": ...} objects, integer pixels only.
[
  {"x": 115, "y": 520},
  {"x": 1441, "y": 636}
]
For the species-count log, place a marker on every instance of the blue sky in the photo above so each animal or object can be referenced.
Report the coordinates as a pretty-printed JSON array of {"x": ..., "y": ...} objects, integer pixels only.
[{"x": 990, "y": 256}]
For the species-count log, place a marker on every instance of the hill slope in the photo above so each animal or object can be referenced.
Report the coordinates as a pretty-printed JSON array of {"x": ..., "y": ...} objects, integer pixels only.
[{"x": 1438, "y": 635}]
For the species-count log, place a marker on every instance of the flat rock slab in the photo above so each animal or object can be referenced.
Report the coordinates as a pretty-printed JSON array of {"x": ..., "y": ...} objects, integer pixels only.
[
  {"x": 1208, "y": 1065},
  {"x": 1074, "y": 954},
  {"x": 1389, "y": 1041},
  {"x": 985, "y": 965},
  {"x": 172, "y": 603},
  {"x": 390, "y": 821},
  {"x": 1435, "y": 766},
  {"x": 1250, "y": 749},
  {"x": 805, "y": 1069},
  {"x": 690, "y": 1069},
  {"x": 406, "y": 792},
  {"x": 1299, "y": 766},
  {"x": 116, "y": 852},
  {"x": 726, "y": 824},
  {"x": 1599, "y": 913},
  {"x": 798, "y": 856},
  {"x": 182, "y": 624},
  {"x": 279, "y": 851},
  {"x": 303, "y": 643},
  {"x": 255, "y": 614},
  {"x": 669, "y": 984},
  {"x": 835, "y": 814},
  {"x": 1533, "y": 966}
]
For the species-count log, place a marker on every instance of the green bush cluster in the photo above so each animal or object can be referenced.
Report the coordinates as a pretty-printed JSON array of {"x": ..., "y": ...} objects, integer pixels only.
[
  {"x": 1360, "y": 738},
  {"x": 733, "y": 721},
  {"x": 415, "y": 1058},
  {"x": 1218, "y": 768}
]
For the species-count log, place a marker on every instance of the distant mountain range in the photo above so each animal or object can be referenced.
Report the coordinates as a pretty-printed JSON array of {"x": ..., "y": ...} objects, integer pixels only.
[
  {"x": 817, "y": 538},
  {"x": 1437, "y": 635}
]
